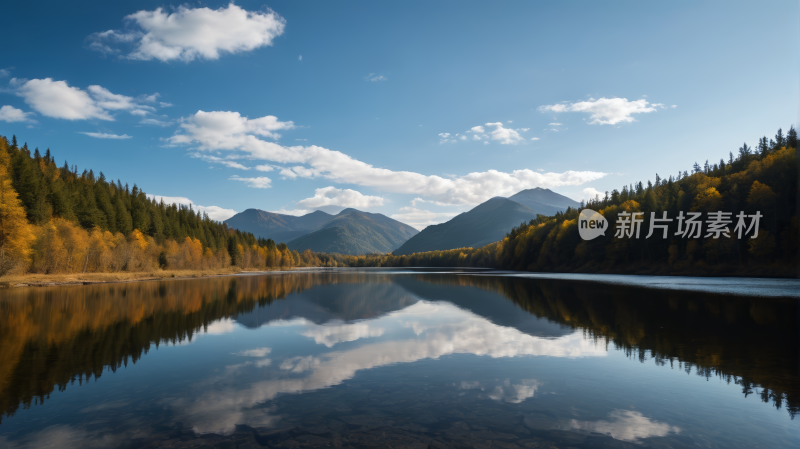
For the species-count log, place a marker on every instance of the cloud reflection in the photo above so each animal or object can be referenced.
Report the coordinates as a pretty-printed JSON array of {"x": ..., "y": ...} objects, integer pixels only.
[
  {"x": 330, "y": 334},
  {"x": 626, "y": 425},
  {"x": 442, "y": 329}
]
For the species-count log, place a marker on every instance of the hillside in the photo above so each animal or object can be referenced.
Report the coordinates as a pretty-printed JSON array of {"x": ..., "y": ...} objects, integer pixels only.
[
  {"x": 355, "y": 232},
  {"x": 486, "y": 223},
  {"x": 278, "y": 227},
  {"x": 544, "y": 201}
]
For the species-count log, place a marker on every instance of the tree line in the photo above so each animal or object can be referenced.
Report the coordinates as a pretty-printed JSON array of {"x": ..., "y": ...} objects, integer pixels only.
[
  {"x": 754, "y": 180},
  {"x": 56, "y": 220}
]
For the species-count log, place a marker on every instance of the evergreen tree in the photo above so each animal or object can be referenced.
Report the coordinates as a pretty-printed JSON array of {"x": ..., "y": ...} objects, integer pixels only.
[
  {"x": 791, "y": 138},
  {"x": 780, "y": 141}
]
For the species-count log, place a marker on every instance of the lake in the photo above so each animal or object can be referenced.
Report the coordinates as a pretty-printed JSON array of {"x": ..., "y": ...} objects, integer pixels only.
[{"x": 402, "y": 358}]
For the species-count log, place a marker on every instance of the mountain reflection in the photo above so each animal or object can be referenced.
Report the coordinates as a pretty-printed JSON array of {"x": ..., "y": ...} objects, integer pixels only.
[
  {"x": 52, "y": 337},
  {"x": 437, "y": 329}
]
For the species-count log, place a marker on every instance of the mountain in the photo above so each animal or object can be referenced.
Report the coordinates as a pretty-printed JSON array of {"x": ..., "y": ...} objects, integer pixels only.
[
  {"x": 486, "y": 223},
  {"x": 278, "y": 227},
  {"x": 544, "y": 201},
  {"x": 355, "y": 232}
]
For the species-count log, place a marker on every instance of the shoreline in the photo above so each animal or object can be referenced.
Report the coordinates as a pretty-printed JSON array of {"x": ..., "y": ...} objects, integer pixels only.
[{"x": 56, "y": 280}]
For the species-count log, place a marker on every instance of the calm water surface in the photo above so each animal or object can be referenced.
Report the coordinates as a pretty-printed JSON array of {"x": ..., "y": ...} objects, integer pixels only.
[{"x": 412, "y": 359}]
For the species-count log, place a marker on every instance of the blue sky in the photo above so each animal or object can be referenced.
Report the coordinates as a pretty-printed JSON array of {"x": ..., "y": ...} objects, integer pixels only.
[{"x": 418, "y": 110}]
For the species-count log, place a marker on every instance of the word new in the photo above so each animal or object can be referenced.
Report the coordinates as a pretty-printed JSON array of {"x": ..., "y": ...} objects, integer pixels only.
[{"x": 629, "y": 224}]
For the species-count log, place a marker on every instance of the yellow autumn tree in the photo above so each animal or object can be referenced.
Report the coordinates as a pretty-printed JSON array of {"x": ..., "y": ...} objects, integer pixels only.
[{"x": 16, "y": 234}]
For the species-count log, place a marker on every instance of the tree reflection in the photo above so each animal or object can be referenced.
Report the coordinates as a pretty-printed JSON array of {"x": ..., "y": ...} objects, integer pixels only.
[
  {"x": 751, "y": 341},
  {"x": 53, "y": 337}
]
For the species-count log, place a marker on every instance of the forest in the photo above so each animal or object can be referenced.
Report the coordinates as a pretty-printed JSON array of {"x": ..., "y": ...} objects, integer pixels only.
[
  {"x": 54, "y": 219},
  {"x": 762, "y": 179}
]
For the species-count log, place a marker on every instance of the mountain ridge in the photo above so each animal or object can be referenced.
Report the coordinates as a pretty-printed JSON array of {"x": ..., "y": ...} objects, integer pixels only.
[{"x": 486, "y": 223}]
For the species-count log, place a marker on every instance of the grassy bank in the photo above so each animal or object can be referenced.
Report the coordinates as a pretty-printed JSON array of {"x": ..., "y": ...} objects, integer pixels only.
[{"x": 41, "y": 280}]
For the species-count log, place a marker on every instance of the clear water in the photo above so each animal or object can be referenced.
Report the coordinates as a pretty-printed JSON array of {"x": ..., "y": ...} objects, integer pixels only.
[{"x": 383, "y": 358}]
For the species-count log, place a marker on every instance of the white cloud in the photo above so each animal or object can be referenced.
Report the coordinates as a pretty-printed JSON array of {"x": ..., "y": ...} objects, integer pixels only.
[
  {"x": 477, "y": 129},
  {"x": 606, "y": 111},
  {"x": 106, "y": 135},
  {"x": 534, "y": 138},
  {"x": 265, "y": 167},
  {"x": 219, "y": 160},
  {"x": 4, "y": 73},
  {"x": 225, "y": 130},
  {"x": 373, "y": 77},
  {"x": 420, "y": 219},
  {"x": 113, "y": 102},
  {"x": 554, "y": 124},
  {"x": 152, "y": 121},
  {"x": 164, "y": 104},
  {"x": 300, "y": 58},
  {"x": 214, "y": 212},
  {"x": 11, "y": 114},
  {"x": 228, "y": 131},
  {"x": 257, "y": 352},
  {"x": 590, "y": 193},
  {"x": 505, "y": 136},
  {"x": 57, "y": 99},
  {"x": 295, "y": 212},
  {"x": 191, "y": 33},
  {"x": 626, "y": 425},
  {"x": 331, "y": 196},
  {"x": 260, "y": 182}
]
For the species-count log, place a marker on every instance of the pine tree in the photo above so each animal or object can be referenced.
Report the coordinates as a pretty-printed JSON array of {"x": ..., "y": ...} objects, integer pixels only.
[
  {"x": 780, "y": 142},
  {"x": 763, "y": 146},
  {"x": 791, "y": 138}
]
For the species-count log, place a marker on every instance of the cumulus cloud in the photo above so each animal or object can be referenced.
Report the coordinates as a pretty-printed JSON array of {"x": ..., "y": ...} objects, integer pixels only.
[
  {"x": 11, "y": 114},
  {"x": 420, "y": 218},
  {"x": 190, "y": 33},
  {"x": 591, "y": 193},
  {"x": 626, "y": 425},
  {"x": 106, "y": 135},
  {"x": 496, "y": 132},
  {"x": 260, "y": 182},
  {"x": 331, "y": 196},
  {"x": 606, "y": 111},
  {"x": 505, "y": 136},
  {"x": 228, "y": 131},
  {"x": 214, "y": 212},
  {"x": 57, "y": 99}
]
